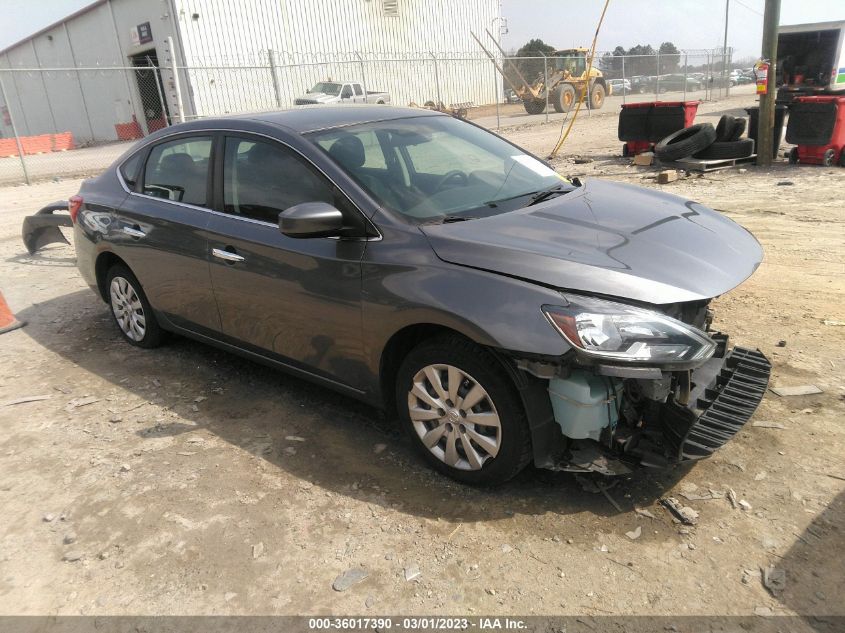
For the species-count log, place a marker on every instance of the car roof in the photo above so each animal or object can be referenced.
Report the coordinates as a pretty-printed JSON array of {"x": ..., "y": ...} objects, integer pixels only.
[{"x": 310, "y": 118}]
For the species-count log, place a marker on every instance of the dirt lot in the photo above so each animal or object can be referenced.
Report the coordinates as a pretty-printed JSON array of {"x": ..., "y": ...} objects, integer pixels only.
[{"x": 186, "y": 480}]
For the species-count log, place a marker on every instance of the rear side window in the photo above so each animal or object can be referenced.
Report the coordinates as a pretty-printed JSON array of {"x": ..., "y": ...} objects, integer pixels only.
[
  {"x": 129, "y": 170},
  {"x": 260, "y": 180},
  {"x": 178, "y": 171},
  {"x": 358, "y": 90}
]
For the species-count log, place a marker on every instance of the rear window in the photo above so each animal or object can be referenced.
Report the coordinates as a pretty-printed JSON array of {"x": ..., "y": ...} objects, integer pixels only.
[{"x": 178, "y": 171}]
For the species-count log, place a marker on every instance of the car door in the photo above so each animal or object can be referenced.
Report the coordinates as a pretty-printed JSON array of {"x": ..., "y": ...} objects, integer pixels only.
[
  {"x": 298, "y": 300},
  {"x": 160, "y": 230}
]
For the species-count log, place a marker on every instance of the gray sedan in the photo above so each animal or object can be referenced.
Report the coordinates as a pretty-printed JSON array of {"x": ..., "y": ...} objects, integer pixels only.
[{"x": 427, "y": 266}]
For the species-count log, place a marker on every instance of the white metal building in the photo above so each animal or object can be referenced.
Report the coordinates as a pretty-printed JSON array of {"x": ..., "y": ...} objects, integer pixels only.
[{"x": 236, "y": 55}]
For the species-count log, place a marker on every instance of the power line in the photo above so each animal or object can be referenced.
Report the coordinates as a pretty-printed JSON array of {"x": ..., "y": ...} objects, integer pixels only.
[{"x": 749, "y": 8}]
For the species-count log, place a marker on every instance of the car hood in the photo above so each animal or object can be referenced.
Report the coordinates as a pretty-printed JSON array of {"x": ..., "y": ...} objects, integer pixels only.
[{"x": 611, "y": 239}]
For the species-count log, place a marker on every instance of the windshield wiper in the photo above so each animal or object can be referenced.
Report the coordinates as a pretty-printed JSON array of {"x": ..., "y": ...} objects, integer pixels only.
[
  {"x": 448, "y": 219},
  {"x": 545, "y": 194}
]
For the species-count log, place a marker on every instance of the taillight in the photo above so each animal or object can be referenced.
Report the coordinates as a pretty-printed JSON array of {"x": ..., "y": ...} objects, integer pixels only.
[{"x": 73, "y": 206}]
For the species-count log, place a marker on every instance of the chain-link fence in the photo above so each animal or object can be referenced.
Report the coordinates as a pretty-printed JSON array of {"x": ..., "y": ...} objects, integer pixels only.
[{"x": 61, "y": 122}]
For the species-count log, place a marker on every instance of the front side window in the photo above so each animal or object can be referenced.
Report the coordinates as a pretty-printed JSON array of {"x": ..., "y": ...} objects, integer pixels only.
[
  {"x": 178, "y": 171},
  {"x": 433, "y": 167},
  {"x": 326, "y": 88},
  {"x": 129, "y": 170},
  {"x": 262, "y": 179}
]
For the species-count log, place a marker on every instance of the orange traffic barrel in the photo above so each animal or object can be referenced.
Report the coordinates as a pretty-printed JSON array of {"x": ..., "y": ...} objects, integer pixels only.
[{"x": 8, "y": 322}]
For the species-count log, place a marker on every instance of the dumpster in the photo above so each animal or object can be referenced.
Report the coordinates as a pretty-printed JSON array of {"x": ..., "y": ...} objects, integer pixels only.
[
  {"x": 777, "y": 134},
  {"x": 641, "y": 125},
  {"x": 817, "y": 127}
]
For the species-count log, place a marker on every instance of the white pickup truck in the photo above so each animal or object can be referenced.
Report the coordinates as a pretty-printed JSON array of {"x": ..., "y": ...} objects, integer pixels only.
[{"x": 340, "y": 92}]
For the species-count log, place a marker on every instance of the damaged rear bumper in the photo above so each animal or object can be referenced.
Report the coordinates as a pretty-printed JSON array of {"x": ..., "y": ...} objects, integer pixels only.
[{"x": 43, "y": 228}]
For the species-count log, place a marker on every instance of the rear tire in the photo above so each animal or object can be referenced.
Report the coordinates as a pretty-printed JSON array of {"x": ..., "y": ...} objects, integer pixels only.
[
  {"x": 485, "y": 443},
  {"x": 829, "y": 155},
  {"x": 131, "y": 310}
]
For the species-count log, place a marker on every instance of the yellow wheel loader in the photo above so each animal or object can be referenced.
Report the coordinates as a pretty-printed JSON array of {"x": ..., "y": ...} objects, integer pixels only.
[{"x": 567, "y": 71}]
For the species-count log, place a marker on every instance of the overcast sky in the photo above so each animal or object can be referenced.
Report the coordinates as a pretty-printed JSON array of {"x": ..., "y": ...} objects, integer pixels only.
[{"x": 689, "y": 24}]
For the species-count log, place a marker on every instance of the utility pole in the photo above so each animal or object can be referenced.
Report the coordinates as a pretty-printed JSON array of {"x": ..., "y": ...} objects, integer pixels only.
[
  {"x": 766, "y": 124},
  {"x": 725, "y": 51}
]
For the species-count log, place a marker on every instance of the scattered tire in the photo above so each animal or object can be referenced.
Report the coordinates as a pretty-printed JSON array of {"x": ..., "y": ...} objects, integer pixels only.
[
  {"x": 793, "y": 156},
  {"x": 462, "y": 411},
  {"x": 534, "y": 106},
  {"x": 739, "y": 128},
  {"x": 131, "y": 310},
  {"x": 563, "y": 97},
  {"x": 727, "y": 149},
  {"x": 725, "y": 128},
  {"x": 685, "y": 142},
  {"x": 597, "y": 97}
]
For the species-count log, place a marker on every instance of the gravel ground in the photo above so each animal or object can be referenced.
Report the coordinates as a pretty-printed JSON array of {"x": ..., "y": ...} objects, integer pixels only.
[{"x": 186, "y": 480}]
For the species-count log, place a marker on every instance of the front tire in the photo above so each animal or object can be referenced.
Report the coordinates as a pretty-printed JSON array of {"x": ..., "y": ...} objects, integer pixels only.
[
  {"x": 462, "y": 412},
  {"x": 131, "y": 310}
]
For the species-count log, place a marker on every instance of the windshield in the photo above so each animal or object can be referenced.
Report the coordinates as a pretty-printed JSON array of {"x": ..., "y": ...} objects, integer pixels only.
[
  {"x": 327, "y": 88},
  {"x": 437, "y": 168}
]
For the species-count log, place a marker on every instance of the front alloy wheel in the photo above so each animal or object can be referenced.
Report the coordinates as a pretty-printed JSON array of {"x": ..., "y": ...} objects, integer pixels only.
[
  {"x": 454, "y": 417},
  {"x": 462, "y": 411}
]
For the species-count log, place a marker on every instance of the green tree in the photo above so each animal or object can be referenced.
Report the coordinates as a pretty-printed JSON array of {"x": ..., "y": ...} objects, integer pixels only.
[
  {"x": 531, "y": 68},
  {"x": 670, "y": 58}
]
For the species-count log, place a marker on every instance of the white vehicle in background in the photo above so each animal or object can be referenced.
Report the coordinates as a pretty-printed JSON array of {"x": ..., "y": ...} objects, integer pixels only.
[
  {"x": 811, "y": 59},
  {"x": 619, "y": 86},
  {"x": 340, "y": 93}
]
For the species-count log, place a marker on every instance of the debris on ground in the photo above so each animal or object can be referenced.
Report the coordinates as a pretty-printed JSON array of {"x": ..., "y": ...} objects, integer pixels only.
[
  {"x": 69, "y": 538},
  {"x": 765, "y": 424},
  {"x": 349, "y": 578},
  {"x": 506, "y": 549},
  {"x": 774, "y": 580},
  {"x": 611, "y": 499},
  {"x": 644, "y": 513},
  {"x": 412, "y": 571},
  {"x": 684, "y": 514},
  {"x": 644, "y": 159},
  {"x": 72, "y": 556},
  {"x": 785, "y": 183},
  {"x": 125, "y": 468},
  {"x": 294, "y": 438},
  {"x": 379, "y": 448},
  {"x": 635, "y": 534},
  {"x": 705, "y": 496},
  {"x": 750, "y": 576},
  {"x": 48, "y": 518},
  {"x": 667, "y": 176},
  {"x": 24, "y": 400},
  {"x": 257, "y": 550},
  {"x": 800, "y": 390},
  {"x": 582, "y": 160},
  {"x": 781, "y": 344},
  {"x": 731, "y": 495},
  {"x": 833, "y": 322},
  {"x": 80, "y": 402},
  {"x": 745, "y": 505}
]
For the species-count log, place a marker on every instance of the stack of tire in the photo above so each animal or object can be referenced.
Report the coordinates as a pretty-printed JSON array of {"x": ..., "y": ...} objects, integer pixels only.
[{"x": 705, "y": 142}]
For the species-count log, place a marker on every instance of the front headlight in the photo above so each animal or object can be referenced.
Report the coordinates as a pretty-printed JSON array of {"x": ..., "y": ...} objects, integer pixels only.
[{"x": 615, "y": 331}]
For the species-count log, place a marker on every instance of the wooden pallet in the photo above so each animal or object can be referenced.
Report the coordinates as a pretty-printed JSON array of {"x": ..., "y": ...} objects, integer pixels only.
[{"x": 712, "y": 164}]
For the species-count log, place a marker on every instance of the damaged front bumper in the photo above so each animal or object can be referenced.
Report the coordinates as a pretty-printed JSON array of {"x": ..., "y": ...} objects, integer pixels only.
[
  {"x": 637, "y": 425},
  {"x": 43, "y": 228}
]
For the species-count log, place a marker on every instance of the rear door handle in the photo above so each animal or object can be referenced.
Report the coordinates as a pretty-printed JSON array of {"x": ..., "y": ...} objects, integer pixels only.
[
  {"x": 229, "y": 256},
  {"x": 134, "y": 231}
]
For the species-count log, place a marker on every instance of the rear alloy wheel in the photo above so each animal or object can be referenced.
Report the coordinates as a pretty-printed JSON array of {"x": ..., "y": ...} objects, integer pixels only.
[
  {"x": 131, "y": 310},
  {"x": 827, "y": 158},
  {"x": 462, "y": 412}
]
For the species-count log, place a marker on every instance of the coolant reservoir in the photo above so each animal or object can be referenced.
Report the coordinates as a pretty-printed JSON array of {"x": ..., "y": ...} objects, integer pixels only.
[{"x": 584, "y": 403}]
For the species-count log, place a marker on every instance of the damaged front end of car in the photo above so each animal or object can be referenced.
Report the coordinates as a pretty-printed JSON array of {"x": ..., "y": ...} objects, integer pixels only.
[{"x": 642, "y": 386}]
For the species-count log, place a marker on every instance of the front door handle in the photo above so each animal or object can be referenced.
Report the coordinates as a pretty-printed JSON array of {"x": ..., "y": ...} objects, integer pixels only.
[
  {"x": 229, "y": 256},
  {"x": 134, "y": 231}
]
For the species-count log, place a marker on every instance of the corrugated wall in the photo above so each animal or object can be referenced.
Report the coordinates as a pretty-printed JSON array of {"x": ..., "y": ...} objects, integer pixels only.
[{"x": 349, "y": 39}]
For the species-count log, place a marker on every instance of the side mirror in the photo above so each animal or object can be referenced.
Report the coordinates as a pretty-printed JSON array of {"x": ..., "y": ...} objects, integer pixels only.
[{"x": 311, "y": 219}]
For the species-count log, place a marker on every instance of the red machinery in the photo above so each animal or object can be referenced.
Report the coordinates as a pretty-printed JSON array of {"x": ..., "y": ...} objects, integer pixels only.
[
  {"x": 641, "y": 125},
  {"x": 817, "y": 126}
]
